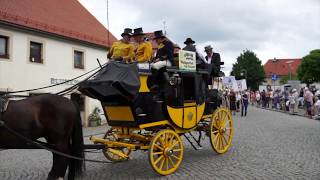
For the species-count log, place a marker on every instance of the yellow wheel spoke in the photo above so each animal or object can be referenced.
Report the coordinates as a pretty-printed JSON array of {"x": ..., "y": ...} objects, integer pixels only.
[
  {"x": 214, "y": 132},
  {"x": 171, "y": 139},
  {"x": 158, "y": 147},
  {"x": 217, "y": 140},
  {"x": 225, "y": 139},
  {"x": 157, "y": 153},
  {"x": 162, "y": 163},
  {"x": 222, "y": 142},
  {"x": 167, "y": 163},
  {"x": 176, "y": 150},
  {"x": 175, "y": 157},
  {"x": 171, "y": 162},
  {"x": 174, "y": 144},
  {"x": 156, "y": 161},
  {"x": 225, "y": 124}
]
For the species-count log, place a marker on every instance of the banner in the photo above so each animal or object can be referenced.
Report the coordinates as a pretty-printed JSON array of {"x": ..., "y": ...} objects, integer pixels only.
[
  {"x": 187, "y": 60},
  {"x": 242, "y": 84},
  {"x": 230, "y": 83}
]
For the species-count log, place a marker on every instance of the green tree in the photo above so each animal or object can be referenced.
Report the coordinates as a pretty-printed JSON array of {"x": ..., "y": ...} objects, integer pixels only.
[
  {"x": 309, "y": 69},
  {"x": 285, "y": 79},
  {"x": 249, "y": 66}
]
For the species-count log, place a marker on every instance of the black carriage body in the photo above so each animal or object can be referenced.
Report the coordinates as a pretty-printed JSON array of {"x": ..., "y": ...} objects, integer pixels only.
[{"x": 117, "y": 88}]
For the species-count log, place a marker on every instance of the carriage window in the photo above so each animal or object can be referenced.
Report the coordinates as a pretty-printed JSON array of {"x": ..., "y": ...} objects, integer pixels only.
[
  {"x": 78, "y": 59},
  {"x": 4, "y": 47},
  {"x": 189, "y": 88},
  {"x": 36, "y": 52}
]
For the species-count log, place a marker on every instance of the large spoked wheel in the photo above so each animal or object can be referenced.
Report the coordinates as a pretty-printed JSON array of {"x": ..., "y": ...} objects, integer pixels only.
[
  {"x": 166, "y": 152},
  {"x": 112, "y": 136},
  {"x": 221, "y": 130}
]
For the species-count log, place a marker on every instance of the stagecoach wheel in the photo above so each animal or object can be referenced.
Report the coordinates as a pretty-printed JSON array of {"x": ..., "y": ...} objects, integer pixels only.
[
  {"x": 112, "y": 136},
  {"x": 166, "y": 152},
  {"x": 221, "y": 130}
]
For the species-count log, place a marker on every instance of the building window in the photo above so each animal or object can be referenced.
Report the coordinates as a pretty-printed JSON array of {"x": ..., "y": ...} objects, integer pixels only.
[
  {"x": 36, "y": 52},
  {"x": 4, "y": 47},
  {"x": 78, "y": 59}
]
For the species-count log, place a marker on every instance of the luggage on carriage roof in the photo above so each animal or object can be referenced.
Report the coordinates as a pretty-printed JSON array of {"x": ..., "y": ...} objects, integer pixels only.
[{"x": 114, "y": 79}]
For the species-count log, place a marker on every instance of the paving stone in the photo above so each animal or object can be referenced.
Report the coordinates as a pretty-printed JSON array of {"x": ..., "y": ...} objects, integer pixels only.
[{"x": 266, "y": 145}]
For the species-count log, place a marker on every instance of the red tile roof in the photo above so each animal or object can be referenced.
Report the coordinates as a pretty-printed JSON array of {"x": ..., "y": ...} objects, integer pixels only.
[
  {"x": 67, "y": 18},
  {"x": 280, "y": 67}
]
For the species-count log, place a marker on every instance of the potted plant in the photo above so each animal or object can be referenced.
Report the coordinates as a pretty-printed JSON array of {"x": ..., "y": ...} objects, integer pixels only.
[{"x": 94, "y": 118}]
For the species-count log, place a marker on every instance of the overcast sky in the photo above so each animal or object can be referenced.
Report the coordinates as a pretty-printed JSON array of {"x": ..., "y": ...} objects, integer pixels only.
[{"x": 270, "y": 28}]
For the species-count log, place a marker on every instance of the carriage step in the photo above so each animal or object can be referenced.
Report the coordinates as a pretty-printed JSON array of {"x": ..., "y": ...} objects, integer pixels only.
[{"x": 193, "y": 141}]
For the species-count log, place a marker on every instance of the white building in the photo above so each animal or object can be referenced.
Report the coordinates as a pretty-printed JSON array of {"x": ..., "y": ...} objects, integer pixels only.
[{"x": 47, "y": 42}]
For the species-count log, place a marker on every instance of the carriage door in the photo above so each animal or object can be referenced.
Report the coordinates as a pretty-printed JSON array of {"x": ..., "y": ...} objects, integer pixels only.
[{"x": 79, "y": 101}]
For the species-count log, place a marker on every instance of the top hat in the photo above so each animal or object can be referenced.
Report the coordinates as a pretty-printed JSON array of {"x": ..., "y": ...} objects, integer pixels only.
[
  {"x": 158, "y": 34},
  {"x": 127, "y": 31},
  {"x": 137, "y": 32},
  {"x": 189, "y": 40},
  {"x": 207, "y": 48}
]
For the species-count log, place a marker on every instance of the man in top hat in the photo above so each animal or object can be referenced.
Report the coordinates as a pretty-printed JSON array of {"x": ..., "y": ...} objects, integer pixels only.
[
  {"x": 191, "y": 47},
  {"x": 213, "y": 59},
  {"x": 164, "y": 58},
  {"x": 143, "y": 51},
  {"x": 123, "y": 49}
]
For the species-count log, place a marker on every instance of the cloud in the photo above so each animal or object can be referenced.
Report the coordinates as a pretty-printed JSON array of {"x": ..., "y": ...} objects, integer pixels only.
[{"x": 270, "y": 28}]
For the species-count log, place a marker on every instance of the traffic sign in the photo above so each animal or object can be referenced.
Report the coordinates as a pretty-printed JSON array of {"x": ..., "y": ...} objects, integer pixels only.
[{"x": 274, "y": 77}]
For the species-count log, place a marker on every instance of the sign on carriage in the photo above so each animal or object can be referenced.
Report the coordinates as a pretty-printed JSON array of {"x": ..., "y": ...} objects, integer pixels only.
[
  {"x": 230, "y": 83},
  {"x": 187, "y": 60}
]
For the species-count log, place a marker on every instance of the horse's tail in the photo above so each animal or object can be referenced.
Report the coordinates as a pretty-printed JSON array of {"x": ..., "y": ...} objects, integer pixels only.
[{"x": 76, "y": 166}]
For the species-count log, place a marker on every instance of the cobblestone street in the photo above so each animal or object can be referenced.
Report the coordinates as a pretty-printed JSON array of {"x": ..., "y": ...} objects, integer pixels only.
[{"x": 266, "y": 145}]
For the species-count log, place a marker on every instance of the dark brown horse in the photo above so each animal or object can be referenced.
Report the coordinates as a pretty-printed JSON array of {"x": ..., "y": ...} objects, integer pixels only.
[{"x": 53, "y": 117}]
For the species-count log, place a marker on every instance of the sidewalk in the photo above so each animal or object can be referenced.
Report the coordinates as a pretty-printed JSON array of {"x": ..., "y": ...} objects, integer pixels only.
[{"x": 300, "y": 112}]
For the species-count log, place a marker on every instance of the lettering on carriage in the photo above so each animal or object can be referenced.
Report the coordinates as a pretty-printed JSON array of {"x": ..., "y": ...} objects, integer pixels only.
[{"x": 57, "y": 81}]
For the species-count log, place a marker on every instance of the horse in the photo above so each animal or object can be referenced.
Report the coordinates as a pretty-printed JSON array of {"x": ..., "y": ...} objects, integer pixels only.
[{"x": 53, "y": 117}]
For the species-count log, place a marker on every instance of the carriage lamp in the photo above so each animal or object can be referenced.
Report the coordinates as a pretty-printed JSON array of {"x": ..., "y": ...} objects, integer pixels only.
[{"x": 175, "y": 79}]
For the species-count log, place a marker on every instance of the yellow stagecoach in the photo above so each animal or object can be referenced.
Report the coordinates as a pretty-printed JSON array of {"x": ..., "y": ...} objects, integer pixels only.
[{"x": 157, "y": 127}]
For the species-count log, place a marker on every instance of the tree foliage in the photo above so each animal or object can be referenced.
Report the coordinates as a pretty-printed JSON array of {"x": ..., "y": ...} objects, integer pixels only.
[
  {"x": 285, "y": 79},
  {"x": 309, "y": 69},
  {"x": 249, "y": 66}
]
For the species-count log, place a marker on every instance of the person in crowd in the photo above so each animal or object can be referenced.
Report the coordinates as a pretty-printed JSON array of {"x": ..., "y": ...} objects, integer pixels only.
[
  {"x": 163, "y": 59},
  {"x": 244, "y": 104},
  {"x": 143, "y": 50},
  {"x": 258, "y": 98},
  {"x": 317, "y": 104},
  {"x": 308, "y": 99},
  {"x": 291, "y": 102},
  {"x": 122, "y": 50},
  {"x": 238, "y": 99},
  {"x": 263, "y": 98},
  {"x": 232, "y": 101},
  {"x": 276, "y": 99},
  {"x": 300, "y": 99},
  {"x": 252, "y": 97},
  {"x": 296, "y": 97},
  {"x": 268, "y": 94}
]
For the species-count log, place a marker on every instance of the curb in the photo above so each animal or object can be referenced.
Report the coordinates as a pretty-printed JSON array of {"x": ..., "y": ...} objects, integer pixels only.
[{"x": 284, "y": 112}]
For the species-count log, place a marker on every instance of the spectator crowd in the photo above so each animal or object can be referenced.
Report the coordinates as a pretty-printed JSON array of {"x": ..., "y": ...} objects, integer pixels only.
[{"x": 291, "y": 101}]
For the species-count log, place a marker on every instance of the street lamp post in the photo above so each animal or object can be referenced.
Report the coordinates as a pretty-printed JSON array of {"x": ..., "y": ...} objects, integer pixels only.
[
  {"x": 289, "y": 69},
  {"x": 243, "y": 72}
]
